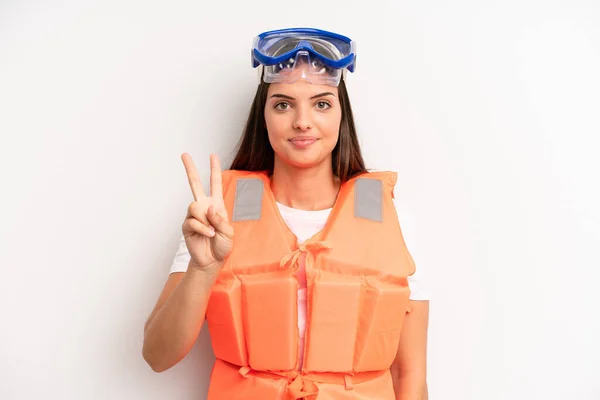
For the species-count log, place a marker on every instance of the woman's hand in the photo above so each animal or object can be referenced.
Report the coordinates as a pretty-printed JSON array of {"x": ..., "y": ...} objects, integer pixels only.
[{"x": 207, "y": 231}]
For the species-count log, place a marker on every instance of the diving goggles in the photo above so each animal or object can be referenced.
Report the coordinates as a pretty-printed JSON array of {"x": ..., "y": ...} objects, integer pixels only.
[{"x": 317, "y": 56}]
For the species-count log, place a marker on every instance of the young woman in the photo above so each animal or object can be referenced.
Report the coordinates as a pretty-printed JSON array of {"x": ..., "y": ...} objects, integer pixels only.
[{"x": 296, "y": 257}]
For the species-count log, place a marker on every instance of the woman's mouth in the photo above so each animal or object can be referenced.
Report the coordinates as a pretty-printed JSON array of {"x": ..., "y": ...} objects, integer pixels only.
[{"x": 302, "y": 142}]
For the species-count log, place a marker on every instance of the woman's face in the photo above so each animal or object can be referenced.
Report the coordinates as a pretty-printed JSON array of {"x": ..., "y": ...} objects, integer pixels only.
[{"x": 303, "y": 122}]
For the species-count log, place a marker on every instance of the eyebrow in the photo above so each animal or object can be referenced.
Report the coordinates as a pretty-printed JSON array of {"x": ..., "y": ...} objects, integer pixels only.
[{"x": 285, "y": 96}]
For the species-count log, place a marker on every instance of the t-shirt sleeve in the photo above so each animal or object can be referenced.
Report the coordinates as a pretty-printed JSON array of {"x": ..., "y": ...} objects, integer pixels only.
[
  {"x": 416, "y": 282},
  {"x": 182, "y": 258}
]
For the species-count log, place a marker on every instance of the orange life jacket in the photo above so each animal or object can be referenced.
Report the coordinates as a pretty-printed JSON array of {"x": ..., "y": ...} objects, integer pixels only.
[{"x": 358, "y": 294}]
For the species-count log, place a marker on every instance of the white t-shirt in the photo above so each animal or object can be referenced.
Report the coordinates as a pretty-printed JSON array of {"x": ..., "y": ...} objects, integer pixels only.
[{"x": 304, "y": 224}]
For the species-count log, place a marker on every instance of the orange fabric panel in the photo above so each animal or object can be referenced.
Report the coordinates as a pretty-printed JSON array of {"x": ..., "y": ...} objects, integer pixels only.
[
  {"x": 270, "y": 320},
  {"x": 333, "y": 320},
  {"x": 225, "y": 323},
  {"x": 382, "y": 315}
]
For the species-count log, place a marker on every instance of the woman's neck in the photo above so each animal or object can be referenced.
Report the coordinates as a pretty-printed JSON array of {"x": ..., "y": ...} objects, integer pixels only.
[{"x": 305, "y": 188}]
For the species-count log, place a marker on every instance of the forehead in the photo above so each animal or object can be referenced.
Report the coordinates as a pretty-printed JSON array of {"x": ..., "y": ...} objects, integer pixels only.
[{"x": 300, "y": 89}]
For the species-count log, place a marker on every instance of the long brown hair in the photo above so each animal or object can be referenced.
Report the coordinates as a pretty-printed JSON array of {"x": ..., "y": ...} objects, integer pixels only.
[{"x": 256, "y": 154}]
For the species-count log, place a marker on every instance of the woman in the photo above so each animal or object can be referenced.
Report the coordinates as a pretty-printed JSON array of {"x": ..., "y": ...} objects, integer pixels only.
[{"x": 296, "y": 257}]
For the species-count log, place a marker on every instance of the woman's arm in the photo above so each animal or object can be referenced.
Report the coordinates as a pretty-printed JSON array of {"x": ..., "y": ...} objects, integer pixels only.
[
  {"x": 409, "y": 370},
  {"x": 175, "y": 322}
]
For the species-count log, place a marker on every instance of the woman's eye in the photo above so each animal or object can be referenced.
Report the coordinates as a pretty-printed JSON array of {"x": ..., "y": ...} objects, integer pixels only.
[
  {"x": 282, "y": 106},
  {"x": 323, "y": 105}
]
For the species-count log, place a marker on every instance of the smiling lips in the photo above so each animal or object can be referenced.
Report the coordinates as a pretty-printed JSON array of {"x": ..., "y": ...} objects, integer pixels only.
[{"x": 303, "y": 142}]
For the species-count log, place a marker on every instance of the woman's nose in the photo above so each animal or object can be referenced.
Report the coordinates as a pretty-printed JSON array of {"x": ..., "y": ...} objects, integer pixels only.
[{"x": 302, "y": 119}]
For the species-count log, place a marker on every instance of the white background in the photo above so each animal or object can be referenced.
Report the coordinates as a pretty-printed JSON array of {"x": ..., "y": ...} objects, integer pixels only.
[{"x": 488, "y": 110}]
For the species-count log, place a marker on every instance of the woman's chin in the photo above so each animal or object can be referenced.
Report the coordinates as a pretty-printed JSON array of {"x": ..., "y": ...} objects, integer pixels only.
[{"x": 304, "y": 161}]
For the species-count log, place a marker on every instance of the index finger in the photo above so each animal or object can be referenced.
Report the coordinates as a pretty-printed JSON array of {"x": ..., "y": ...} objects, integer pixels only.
[
  {"x": 216, "y": 184},
  {"x": 193, "y": 177}
]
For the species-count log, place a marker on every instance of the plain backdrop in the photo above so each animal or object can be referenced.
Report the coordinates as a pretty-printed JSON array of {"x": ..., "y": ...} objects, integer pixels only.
[{"x": 488, "y": 110}]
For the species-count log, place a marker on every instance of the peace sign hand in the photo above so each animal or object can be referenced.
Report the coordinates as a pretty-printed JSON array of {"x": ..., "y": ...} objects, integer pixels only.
[{"x": 207, "y": 231}]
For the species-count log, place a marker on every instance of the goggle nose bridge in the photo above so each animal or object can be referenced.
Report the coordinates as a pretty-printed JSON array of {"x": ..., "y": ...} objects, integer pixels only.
[
  {"x": 302, "y": 54},
  {"x": 303, "y": 44}
]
